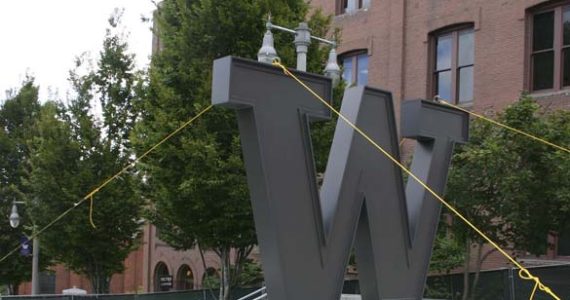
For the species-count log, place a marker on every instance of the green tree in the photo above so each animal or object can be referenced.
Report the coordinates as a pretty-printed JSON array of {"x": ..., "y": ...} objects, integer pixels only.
[
  {"x": 74, "y": 152},
  {"x": 17, "y": 117},
  {"x": 251, "y": 274},
  {"x": 197, "y": 182},
  {"x": 513, "y": 188},
  {"x": 447, "y": 253}
]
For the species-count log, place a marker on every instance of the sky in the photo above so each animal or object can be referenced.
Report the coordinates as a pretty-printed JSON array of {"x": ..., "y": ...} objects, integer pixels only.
[{"x": 42, "y": 38}]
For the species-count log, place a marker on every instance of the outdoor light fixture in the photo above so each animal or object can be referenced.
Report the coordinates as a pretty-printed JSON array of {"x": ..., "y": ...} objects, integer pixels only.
[
  {"x": 14, "y": 216},
  {"x": 15, "y": 222},
  {"x": 267, "y": 52},
  {"x": 332, "y": 70}
]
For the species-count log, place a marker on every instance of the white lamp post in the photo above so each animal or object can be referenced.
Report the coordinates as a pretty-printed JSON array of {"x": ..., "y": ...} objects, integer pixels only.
[
  {"x": 302, "y": 42},
  {"x": 15, "y": 222}
]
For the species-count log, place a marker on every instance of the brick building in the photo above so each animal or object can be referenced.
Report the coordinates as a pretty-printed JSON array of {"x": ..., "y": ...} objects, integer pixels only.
[
  {"x": 479, "y": 54},
  {"x": 144, "y": 267}
]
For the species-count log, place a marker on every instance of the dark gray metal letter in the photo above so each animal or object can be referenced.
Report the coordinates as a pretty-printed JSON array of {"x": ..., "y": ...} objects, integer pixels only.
[{"x": 305, "y": 239}]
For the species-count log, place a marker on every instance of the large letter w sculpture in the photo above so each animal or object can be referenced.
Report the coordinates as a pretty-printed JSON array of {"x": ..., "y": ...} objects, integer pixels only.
[{"x": 305, "y": 236}]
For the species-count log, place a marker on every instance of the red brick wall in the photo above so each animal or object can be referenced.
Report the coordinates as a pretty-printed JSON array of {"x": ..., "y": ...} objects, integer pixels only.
[
  {"x": 128, "y": 282},
  {"x": 139, "y": 268},
  {"x": 396, "y": 34}
]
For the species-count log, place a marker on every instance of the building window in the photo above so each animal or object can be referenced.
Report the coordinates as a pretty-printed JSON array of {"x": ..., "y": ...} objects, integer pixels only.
[
  {"x": 355, "y": 68},
  {"x": 184, "y": 278},
  {"x": 550, "y": 49},
  {"x": 162, "y": 278},
  {"x": 453, "y": 62},
  {"x": 348, "y": 6}
]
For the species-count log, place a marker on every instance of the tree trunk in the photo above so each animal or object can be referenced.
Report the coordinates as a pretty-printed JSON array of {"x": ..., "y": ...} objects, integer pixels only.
[
  {"x": 205, "y": 269},
  {"x": 480, "y": 260},
  {"x": 236, "y": 269},
  {"x": 478, "y": 264},
  {"x": 100, "y": 285},
  {"x": 466, "y": 270},
  {"x": 240, "y": 258},
  {"x": 13, "y": 288},
  {"x": 99, "y": 281},
  {"x": 225, "y": 280}
]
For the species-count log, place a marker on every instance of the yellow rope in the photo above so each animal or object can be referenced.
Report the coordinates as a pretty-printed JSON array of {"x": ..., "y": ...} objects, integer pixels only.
[
  {"x": 91, "y": 212},
  {"x": 541, "y": 140},
  {"x": 90, "y": 195},
  {"x": 132, "y": 164},
  {"x": 523, "y": 273}
]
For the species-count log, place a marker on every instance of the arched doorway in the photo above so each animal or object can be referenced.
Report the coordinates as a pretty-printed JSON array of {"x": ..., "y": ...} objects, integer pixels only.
[
  {"x": 162, "y": 279},
  {"x": 184, "y": 278},
  {"x": 211, "y": 279}
]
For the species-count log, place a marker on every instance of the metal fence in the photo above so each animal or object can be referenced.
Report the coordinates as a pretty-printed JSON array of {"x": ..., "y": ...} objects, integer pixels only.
[
  {"x": 493, "y": 285},
  {"x": 502, "y": 284},
  {"x": 177, "y": 295}
]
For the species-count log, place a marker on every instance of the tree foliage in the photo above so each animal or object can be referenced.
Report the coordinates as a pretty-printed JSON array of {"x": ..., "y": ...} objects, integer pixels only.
[
  {"x": 513, "y": 188},
  {"x": 511, "y": 184},
  {"x": 197, "y": 182},
  {"x": 74, "y": 152},
  {"x": 17, "y": 117}
]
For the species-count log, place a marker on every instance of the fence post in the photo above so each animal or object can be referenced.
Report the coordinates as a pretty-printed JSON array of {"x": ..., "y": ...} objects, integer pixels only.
[{"x": 511, "y": 284}]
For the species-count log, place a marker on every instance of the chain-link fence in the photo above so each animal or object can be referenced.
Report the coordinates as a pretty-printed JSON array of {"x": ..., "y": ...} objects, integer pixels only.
[
  {"x": 502, "y": 284},
  {"x": 178, "y": 295},
  {"x": 492, "y": 285}
]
